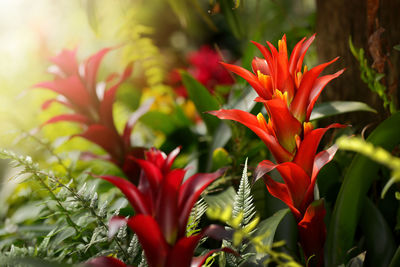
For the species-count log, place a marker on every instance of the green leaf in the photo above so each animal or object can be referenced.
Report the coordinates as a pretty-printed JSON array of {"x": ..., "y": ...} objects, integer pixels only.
[
  {"x": 203, "y": 101},
  {"x": 269, "y": 226},
  {"x": 397, "y": 47},
  {"x": 338, "y": 107},
  {"x": 221, "y": 200},
  {"x": 378, "y": 237},
  {"x": 357, "y": 181},
  {"x": 231, "y": 18},
  {"x": 396, "y": 259}
]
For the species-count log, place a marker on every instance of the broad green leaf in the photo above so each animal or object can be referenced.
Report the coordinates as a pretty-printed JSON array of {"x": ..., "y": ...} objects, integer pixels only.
[
  {"x": 397, "y": 47},
  {"x": 203, "y": 101},
  {"x": 268, "y": 226},
  {"x": 378, "y": 236},
  {"x": 357, "y": 181},
  {"x": 338, "y": 107},
  {"x": 221, "y": 200},
  {"x": 159, "y": 121}
]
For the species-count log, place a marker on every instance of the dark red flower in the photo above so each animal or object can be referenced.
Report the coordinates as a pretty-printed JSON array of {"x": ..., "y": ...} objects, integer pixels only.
[
  {"x": 91, "y": 102},
  {"x": 162, "y": 204}
]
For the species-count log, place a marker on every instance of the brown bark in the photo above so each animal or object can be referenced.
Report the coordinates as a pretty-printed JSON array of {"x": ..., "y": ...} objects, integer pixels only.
[{"x": 337, "y": 20}]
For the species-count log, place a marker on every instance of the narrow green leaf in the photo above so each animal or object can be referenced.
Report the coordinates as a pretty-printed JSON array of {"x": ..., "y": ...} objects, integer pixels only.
[
  {"x": 203, "y": 101},
  {"x": 231, "y": 18},
  {"x": 357, "y": 181},
  {"x": 396, "y": 259},
  {"x": 338, "y": 107},
  {"x": 378, "y": 237},
  {"x": 397, "y": 47}
]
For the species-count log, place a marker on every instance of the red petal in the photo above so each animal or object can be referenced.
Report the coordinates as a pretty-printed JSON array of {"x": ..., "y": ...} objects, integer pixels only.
[
  {"x": 301, "y": 99},
  {"x": 67, "y": 117},
  {"x": 47, "y": 103},
  {"x": 131, "y": 192},
  {"x": 294, "y": 57},
  {"x": 133, "y": 119},
  {"x": 167, "y": 205},
  {"x": 71, "y": 88},
  {"x": 320, "y": 160},
  {"x": 280, "y": 191},
  {"x": 150, "y": 237},
  {"x": 319, "y": 85},
  {"x": 312, "y": 232},
  {"x": 106, "y": 138},
  {"x": 170, "y": 159},
  {"x": 260, "y": 64},
  {"x": 250, "y": 78},
  {"x": 106, "y": 104},
  {"x": 251, "y": 122},
  {"x": 105, "y": 262},
  {"x": 182, "y": 253},
  {"x": 303, "y": 51},
  {"x": 91, "y": 68},
  {"x": 296, "y": 182},
  {"x": 66, "y": 61},
  {"x": 153, "y": 174},
  {"x": 286, "y": 127},
  {"x": 306, "y": 153},
  {"x": 190, "y": 192}
]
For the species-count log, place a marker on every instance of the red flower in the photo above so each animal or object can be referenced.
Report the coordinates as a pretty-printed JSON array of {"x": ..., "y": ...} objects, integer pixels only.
[
  {"x": 205, "y": 67},
  {"x": 91, "y": 102},
  {"x": 300, "y": 175},
  {"x": 277, "y": 76},
  {"x": 162, "y": 205}
]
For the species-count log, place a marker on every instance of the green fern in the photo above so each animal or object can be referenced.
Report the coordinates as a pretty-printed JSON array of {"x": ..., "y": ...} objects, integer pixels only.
[{"x": 195, "y": 215}]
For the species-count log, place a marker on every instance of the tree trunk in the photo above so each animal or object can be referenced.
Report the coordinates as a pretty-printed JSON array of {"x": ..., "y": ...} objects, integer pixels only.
[{"x": 337, "y": 20}]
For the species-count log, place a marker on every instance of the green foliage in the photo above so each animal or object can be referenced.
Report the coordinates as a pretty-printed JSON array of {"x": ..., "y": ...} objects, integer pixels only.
[
  {"x": 195, "y": 215},
  {"x": 372, "y": 78},
  {"x": 245, "y": 233},
  {"x": 357, "y": 181},
  {"x": 75, "y": 215},
  {"x": 377, "y": 154},
  {"x": 203, "y": 101},
  {"x": 327, "y": 109}
]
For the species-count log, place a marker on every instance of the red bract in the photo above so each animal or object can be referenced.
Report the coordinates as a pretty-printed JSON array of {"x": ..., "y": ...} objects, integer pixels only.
[
  {"x": 276, "y": 76},
  {"x": 289, "y": 95},
  {"x": 92, "y": 102},
  {"x": 162, "y": 205},
  {"x": 205, "y": 67}
]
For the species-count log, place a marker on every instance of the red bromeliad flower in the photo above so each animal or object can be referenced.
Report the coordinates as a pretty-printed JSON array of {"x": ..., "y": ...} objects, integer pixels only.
[
  {"x": 91, "y": 101},
  {"x": 162, "y": 204},
  {"x": 289, "y": 96},
  {"x": 277, "y": 76}
]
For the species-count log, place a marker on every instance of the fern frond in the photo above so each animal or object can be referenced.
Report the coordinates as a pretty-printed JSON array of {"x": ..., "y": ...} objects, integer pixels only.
[
  {"x": 195, "y": 215},
  {"x": 243, "y": 202}
]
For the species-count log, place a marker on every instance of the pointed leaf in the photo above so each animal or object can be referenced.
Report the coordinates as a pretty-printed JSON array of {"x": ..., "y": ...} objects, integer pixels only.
[
  {"x": 327, "y": 109},
  {"x": 202, "y": 99}
]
